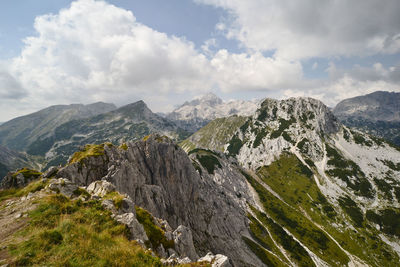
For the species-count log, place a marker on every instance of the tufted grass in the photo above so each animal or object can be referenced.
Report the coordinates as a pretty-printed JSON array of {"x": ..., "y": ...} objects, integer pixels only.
[{"x": 62, "y": 232}]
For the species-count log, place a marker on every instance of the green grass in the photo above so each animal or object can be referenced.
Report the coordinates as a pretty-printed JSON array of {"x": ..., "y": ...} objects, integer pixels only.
[
  {"x": 296, "y": 252},
  {"x": 207, "y": 158},
  {"x": 387, "y": 219},
  {"x": 260, "y": 234},
  {"x": 62, "y": 232},
  {"x": 265, "y": 256},
  {"x": 155, "y": 234},
  {"x": 87, "y": 151},
  {"x": 359, "y": 139},
  {"x": 286, "y": 174},
  {"x": 363, "y": 243},
  {"x": 384, "y": 187}
]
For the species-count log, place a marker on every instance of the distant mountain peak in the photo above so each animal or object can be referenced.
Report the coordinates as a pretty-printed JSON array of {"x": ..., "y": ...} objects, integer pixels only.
[
  {"x": 194, "y": 114},
  {"x": 376, "y": 106}
]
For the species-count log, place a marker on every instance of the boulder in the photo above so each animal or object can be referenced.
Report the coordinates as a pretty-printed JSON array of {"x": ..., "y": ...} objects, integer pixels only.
[
  {"x": 136, "y": 229},
  {"x": 218, "y": 260},
  {"x": 100, "y": 188},
  {"x": 63, "y": 186}
]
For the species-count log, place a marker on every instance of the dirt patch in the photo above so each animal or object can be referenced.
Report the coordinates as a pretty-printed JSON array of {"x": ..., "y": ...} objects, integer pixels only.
[{"x": 13, "y": 217}]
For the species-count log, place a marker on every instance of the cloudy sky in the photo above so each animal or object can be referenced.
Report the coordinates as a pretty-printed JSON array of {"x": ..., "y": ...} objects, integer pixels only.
[{"x": 167, "y": 51}]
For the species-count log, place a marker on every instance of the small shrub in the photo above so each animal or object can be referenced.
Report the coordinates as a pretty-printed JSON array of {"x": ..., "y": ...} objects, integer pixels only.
[{"x": 155, "y": 234}]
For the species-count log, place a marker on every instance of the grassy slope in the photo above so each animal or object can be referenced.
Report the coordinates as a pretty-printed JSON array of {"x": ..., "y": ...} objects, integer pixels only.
[
  {"x": 215, "y": 134},
  {"x": 308, "y": 208},
  {"x": 64, "y": 232}
]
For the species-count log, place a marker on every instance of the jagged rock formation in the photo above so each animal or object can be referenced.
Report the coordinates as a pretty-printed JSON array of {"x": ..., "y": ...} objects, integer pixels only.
[
  {"x": 160, "y": 177},
  {"x": 377, "y": 113},
  {"x": 193, "y": 115},
  {"x": 19, "y": 133}
]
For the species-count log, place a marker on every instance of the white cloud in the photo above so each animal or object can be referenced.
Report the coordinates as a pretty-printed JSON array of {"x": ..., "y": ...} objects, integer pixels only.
[
  {"x": 313, "y": 28},
  {"x": 235, "y": 72},
  {"x": 95, "y": 51}
]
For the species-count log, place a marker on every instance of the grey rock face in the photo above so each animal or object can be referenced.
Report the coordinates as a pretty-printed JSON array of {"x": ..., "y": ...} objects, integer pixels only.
[
  {"x": 82, "y": 176},
  {"x": 376, "y": 113},
  {"x": 184, "y": 243},
  {"x": 159, "y": 176}
]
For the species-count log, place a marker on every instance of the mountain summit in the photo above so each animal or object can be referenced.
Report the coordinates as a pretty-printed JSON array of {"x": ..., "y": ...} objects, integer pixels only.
[{"x": 194, "y": 114}]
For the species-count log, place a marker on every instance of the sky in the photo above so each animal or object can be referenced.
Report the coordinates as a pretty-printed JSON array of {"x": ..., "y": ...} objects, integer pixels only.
[{"x": 168, "y": 51}]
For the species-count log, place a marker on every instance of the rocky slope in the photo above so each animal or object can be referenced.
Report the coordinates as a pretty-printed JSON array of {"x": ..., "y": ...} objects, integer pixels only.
[
  {"x": 193, "y": 115},
  {"x": 54, "y": 222},
  {"x": 19, "y": 133},
  {"x": 160, "y": 177},
  {"x": 377, "y": 113},
  {"x": 129, "y": 122},
  {"x": 333, "y": 190}
]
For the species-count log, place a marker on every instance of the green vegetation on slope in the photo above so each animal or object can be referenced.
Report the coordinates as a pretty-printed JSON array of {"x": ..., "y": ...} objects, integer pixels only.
[
  {"x": 62, "y": 232},
  {"x": 293, "y": 182},
  {"x": 215, "y": 134},
  {"x": 207, "y": 158},
  {"x": 296, "y": 252},
  {"x": 88, "y": 151},
  {"x": 349, "y": 172},
  {"x": 295, "y": 187},
  {"x": 155, "y": 234}
]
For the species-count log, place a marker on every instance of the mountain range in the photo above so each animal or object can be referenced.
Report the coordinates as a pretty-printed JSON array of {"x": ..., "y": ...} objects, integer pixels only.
[
  {"x": 19, "y": 133},
  {"x": 285, "y": 185},
  {"x": 377, "y": 113}
]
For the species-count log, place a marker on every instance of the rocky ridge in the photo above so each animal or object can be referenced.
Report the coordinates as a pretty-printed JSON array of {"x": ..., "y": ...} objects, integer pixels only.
[
  {"x": 19, "y": 133},
  {"x": 160, "y": 177}
]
